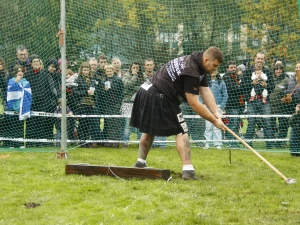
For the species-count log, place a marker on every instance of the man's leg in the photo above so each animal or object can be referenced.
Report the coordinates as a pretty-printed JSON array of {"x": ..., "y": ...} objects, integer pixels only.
[
  {"x": 283, "y": 129},
  {"x": 196, "y": 125},
  {"x": 251, "y": 121},
  {"x": 267, "y": 124},
  {"x": 184, "y": 150},
  {"x": 144, "y": 147},
  {"x": 294, "y": 143}
]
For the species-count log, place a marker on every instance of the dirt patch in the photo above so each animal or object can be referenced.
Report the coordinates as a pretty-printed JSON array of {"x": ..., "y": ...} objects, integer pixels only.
[{"x": 31, "y": 205}]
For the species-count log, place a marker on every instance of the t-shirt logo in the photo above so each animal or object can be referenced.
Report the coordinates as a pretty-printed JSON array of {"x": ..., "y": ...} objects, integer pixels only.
[{"x": 175, "y": 67}]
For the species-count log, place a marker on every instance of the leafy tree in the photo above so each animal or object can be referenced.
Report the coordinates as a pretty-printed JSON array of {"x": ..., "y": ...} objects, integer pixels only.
[
  {"x": 207, "y": 23},
  {"x": 273, "y": 27},
  {"x": 29, "y": 23},
  {"x": 129, "y": 30}
]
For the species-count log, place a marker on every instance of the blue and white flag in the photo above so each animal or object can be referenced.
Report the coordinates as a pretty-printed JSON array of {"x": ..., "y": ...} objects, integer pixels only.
[{"x": 19, "y": 97}]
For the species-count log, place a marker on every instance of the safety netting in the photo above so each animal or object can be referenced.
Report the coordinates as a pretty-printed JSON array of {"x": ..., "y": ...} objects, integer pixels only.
[{"x": 112, "y": 47}]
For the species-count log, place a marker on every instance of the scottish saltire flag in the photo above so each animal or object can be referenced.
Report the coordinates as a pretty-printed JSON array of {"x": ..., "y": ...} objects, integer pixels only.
[{"x": 19, "y": 97}]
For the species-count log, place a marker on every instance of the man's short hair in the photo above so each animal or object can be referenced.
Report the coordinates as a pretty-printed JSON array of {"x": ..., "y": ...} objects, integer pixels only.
[
  {"x": 102, "y": 57},
  {"x": 149, "y": 60},
  {"x": 21, "y": 48},
  {"x": 230, "y": 63},
  {"x": 214, "y": 53},
  {"x": 262, "y": 53},
  {"x": 116, "y": 58},
  {"x": 92, "y": 59}
]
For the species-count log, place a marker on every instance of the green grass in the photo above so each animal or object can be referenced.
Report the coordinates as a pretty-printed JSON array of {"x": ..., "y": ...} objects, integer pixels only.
[{"x": 244, "y": 192}]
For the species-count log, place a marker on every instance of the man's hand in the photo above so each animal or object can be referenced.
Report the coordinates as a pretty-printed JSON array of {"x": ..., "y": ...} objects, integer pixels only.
[
  {"x": 218, "y": 123},
  {"x": 255, "y": 82},
  {"x": 217, "y": 115},
  {"x": 264, "y": 84}
]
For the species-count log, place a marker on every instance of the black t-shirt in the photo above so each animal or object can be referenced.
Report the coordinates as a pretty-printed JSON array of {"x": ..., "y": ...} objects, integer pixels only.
[{"x": 180, "y": 75}]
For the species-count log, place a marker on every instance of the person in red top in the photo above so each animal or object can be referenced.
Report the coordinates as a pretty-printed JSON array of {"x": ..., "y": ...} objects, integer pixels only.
[{"x": 156, "y": 109}]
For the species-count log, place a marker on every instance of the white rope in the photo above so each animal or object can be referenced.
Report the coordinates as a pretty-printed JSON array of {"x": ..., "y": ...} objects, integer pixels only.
[
  {"x": 45, "y": 114},
  {"x": 109, "y": 169}
]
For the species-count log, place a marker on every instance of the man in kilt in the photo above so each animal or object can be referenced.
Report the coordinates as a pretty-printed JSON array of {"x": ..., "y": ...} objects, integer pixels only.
[{"x": 156, "y": 109}]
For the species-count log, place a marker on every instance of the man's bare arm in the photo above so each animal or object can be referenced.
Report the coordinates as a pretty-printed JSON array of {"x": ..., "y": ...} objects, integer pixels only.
[{"x": 202, "y": 111}]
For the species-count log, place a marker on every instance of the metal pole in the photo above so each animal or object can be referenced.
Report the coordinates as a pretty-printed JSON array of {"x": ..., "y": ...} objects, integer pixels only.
[{"x": 63, "y": 76}]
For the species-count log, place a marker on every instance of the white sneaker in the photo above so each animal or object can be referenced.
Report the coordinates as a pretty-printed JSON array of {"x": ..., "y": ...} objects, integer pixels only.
[
  {"x": 206, "y": 146},
  {"x": 219, "y": 147}
]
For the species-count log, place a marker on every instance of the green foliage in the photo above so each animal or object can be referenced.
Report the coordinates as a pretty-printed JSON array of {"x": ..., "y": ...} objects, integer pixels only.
[
  {"x": 275, "y": 25},
  {"x": 29, "y": 23},
  {"x": 137, "y": 29},
  {"x": 128, "y": 29},
  {"x": 244, "y": 192}
]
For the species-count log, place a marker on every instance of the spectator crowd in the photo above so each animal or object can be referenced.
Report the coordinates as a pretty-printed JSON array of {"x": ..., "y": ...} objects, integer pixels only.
[{"x": 100, "y": 87}]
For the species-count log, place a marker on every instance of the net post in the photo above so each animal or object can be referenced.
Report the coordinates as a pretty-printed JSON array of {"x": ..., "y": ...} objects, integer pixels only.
[{"x": 63, "y": 77}]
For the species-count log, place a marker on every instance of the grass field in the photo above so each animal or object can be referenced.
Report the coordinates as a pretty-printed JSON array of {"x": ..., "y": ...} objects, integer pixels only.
[{"x": 244, "y": 192}]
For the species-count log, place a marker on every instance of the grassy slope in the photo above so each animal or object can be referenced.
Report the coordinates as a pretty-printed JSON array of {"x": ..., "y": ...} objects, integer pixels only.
[{"x": 244, "y": 192}]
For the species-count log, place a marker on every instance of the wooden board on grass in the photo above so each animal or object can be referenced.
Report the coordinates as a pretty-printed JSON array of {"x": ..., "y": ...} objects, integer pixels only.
[{"x": 123, "y": 172}]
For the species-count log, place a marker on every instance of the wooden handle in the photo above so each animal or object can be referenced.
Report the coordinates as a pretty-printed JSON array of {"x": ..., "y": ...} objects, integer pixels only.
[
  {"x": 257, "y": 154},
  {"x": 298, "y": 75}
]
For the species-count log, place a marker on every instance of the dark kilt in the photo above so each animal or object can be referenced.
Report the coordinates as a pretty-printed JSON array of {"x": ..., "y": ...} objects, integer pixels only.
[{"x": 153, "y": 113}]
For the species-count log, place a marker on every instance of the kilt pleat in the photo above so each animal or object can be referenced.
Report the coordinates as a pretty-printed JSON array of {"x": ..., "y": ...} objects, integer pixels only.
[{"x": 155, "y": 114}]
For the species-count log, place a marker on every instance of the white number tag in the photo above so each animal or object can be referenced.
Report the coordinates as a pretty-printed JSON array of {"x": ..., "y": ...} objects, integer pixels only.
[{"x": 146, "y": 85}]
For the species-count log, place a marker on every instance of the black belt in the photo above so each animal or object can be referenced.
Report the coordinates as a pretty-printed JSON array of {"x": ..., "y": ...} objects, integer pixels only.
[{"x": 160, "y": 95}]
